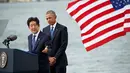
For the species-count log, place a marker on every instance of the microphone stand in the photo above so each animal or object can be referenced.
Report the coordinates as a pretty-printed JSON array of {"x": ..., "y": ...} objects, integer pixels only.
[{"x": 6, "y": 43}]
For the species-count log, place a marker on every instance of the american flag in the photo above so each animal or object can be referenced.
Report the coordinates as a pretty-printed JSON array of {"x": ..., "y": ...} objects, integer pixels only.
[
  {"x": 127, "y": 16},
  {"x": 100, "y": 21}
]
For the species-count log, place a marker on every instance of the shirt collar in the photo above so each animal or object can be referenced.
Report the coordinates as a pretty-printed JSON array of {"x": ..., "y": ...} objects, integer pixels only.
[
  {"x": 37, "y": 33},
  {"x": 53, "y": 25}
]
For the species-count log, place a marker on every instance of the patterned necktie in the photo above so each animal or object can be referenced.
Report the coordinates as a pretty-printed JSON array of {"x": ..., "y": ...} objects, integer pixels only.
[
  {"x": 33, "y": 42},
  {"x": 52, "y": 30}
]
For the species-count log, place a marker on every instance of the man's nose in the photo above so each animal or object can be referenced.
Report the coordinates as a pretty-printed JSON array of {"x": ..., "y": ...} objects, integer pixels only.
[{"x": 33, "y": 26}]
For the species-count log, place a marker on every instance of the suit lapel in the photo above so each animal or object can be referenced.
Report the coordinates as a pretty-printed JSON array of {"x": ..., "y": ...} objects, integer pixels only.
[
  {"x": 38, "y": 40},
  {"x": 48, "y": 30},
  {"x": 56, "y": 30},
  {"x": 30, "y": 42}
]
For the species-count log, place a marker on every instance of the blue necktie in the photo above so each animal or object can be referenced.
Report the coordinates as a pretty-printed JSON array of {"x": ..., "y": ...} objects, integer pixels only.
[
  {"x": 33, "y": 42},
  {"x": 52, "y": 30}
]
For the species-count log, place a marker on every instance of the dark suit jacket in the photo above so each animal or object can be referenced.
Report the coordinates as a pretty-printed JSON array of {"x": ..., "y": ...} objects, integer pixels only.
[
  {"x": 59, "y": 44},
  {"x": 40, "y": 45}
]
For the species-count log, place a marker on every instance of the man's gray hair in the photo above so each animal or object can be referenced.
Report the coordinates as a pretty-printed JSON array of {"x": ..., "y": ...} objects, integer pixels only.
[{"x": 51, "y": 12}]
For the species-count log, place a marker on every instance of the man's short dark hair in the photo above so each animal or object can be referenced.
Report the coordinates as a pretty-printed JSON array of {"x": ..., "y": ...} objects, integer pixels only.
[{"x": 33, "y": 19}]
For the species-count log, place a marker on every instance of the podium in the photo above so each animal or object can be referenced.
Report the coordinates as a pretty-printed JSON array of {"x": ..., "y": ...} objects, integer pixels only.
[{"x": 17, "y": 61}]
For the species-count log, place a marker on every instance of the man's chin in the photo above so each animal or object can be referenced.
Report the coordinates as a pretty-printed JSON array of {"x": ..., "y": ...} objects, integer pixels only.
[
  {"x": 34, "y": 32},
  {"x": 51, "y": 23}
]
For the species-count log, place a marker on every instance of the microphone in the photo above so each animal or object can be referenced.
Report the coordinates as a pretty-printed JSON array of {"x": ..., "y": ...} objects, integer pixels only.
[
  {"x": 8, "y": 39},
  {"x": 12, "y": 37}
]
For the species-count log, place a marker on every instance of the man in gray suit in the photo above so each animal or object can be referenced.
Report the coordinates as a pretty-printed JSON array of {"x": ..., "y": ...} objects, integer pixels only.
[{"x": 59, "y": 40}]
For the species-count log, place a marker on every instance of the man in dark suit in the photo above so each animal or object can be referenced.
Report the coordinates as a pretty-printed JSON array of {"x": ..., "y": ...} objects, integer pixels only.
[
  {"x": 37, "y": 44},
  {"x": 59, "y": 39}
]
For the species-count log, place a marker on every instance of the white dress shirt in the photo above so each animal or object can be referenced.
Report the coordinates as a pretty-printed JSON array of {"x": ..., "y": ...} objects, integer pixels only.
[
  {"x": 36, "y": 35},
  {"x": 53, "y": 26}
]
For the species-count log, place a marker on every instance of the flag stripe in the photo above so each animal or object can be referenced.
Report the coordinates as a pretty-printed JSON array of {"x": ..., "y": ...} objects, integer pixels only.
[
  {"x": 127, "y": 11},
  {"x": 127, "y": 16},
  {"x": 102, "y": 19},
  {"x": 84, "y": 9},
  {"x": 127, "y": 29},
  {"x": 103, "y": 32},
  {"x": 127, "y": 20},
  {"x": 78, "y": 3},
  {"x": 97, "y": 13},
  {"x": 91, "y": 29},
  {"x": 91, "y": 10},
  {"x": 71, "y": 4},
  {"x": 95, "y": 17},
  {"x": 127, "y": 25},
  {"x": 104, "y": 41},
  {"x": 81, "y": 7},
  {"x": 104, "y": 36},
  {"x": 108, "y": 25}
]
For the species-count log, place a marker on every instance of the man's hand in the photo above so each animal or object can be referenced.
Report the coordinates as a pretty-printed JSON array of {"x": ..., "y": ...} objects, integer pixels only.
[
  {"x": 45, "y": 50},
  {"x": 52, "y": 61}
]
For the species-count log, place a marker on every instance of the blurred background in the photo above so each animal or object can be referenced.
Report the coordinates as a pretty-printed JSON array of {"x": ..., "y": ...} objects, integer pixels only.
[
  {"x": 5, "y": 1},
  {"x": 112, "y": 57}
]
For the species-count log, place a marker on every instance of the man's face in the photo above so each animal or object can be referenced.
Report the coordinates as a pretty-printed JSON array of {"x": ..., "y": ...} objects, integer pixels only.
[
  {"x": 34, "y": 28},
  {"x": 51, "y": 19}
]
